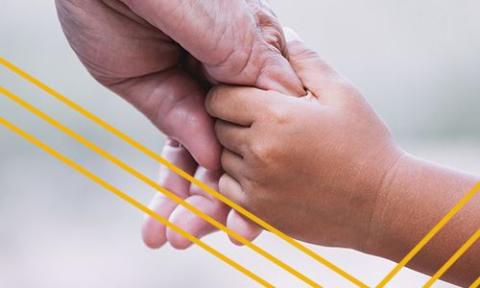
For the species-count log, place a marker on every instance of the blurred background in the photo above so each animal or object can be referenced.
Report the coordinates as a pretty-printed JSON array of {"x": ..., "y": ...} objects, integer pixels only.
[{"x": 417, "y": 62}]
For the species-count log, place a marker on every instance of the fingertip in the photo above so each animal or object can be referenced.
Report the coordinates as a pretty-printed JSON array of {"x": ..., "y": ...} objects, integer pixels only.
[
  {"x": 280, "y": 76},
  {"x": 177, "y": 241},
  {"x": 236, "y": 242},
  {"x": 210, "y": 157},
  {"x": 154, "y": 231},
  {"x": 248, "y": 230},
  {"x": 194, "y": 224},
  {"x": 153, "y": 234},
  {"x": 212, "y": 100},
  {"x": 180, "y": 217}
]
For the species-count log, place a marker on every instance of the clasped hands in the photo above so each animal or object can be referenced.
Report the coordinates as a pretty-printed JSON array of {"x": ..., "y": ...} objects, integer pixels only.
[
  {"x": 270, "y": 125},
  {"x": 293, "y": 161},
  {"x": 290, "y": 160}
]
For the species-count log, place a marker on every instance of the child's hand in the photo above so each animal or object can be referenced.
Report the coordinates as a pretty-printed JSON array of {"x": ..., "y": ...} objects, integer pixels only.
[
  {"x": 324, "y": 169},
  {"x": 311, "y": 166}
]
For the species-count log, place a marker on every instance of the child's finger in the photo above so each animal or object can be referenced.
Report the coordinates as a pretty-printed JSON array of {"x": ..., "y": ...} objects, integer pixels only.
[
  {"x": 230, "y": 187},
  {"x": 154, "y": 232},
  {"x": 238, "y": 105},
  {"x": 233, "y": 165},
  {"x": 231, "y": 136}
]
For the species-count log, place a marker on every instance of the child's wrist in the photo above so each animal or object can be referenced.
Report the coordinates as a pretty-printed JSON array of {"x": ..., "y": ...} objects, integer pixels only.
[{"x": 388, "y": 203}]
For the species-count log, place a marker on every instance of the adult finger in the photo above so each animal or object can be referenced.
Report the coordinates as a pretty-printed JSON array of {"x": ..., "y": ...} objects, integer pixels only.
[
  {"x": 242, "y": 45},
  {"x": 317, "y": 76},
  {"x": 141, "y": 64},
  {"x": 232, "y": 189},
  {"x": 191, "y": 222},
  {"x": 194, "y": 224},
  {"x": 242, "y": 226},
  {"x": 154, "y": 232}
]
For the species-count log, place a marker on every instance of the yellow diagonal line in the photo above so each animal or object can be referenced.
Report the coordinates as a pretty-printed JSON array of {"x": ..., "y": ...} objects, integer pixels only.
[
  {"x": 475, "y": 284},
  {"x": 154, "y": 185},
  {"x": 453, "y": 259},
  {"x": 179, "y": 171},
  {"x": 72, "y": 164},
  {"x": 464, "y": 201}
]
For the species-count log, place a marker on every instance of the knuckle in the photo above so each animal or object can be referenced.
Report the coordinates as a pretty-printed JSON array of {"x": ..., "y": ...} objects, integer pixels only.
[
  {"x": 248, "y": 201},
  {"x": 279, "y": 114},
  {"x": 251, "y": 187},
  {"x": 253, "y": 206},
  {"x": 309, "y": 54},
  {"x": 268, "y": 22},
  {"x": 263, "y": 153},
  {"x": 249, "y": 204},
  {"x": 300, "y": 52},
  {"x": 349, "y": 94}
]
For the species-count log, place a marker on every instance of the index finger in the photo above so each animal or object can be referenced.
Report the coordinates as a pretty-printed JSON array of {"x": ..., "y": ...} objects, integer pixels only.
[{"x": 238, "y": 105}]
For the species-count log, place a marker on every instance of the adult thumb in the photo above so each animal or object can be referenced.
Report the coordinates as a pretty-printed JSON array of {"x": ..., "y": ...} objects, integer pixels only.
[{"x": 316, "y": 75}]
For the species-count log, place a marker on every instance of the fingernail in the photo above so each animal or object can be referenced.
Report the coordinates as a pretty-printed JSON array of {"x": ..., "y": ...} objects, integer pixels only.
[{"x": 172, "y": 143}]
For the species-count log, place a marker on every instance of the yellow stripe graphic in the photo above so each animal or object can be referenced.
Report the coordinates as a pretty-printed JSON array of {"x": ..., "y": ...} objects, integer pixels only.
[
  {"x": 453, "y": 259},
  {"x": 475, "y": 284},
  {"x": 154, "y": 185},
  {"x": 179, "y": 171},
  {"x": 72, "y": 164},
  {"x": 464, "y": 201}
]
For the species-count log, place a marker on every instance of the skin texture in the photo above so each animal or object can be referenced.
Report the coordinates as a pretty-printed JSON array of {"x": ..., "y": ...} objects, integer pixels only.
[
  {"x": 325, "y": 169},
  {"x": 162, "y": 56},
  {"x": 296, "y": 162},
  {"x": 280, "y": 152}
]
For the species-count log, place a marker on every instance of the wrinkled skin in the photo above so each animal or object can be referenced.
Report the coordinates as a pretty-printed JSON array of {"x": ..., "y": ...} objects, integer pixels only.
[{"x": 162, "y": 56}]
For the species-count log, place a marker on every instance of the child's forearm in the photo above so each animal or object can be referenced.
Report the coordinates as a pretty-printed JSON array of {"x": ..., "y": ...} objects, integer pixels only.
[{"x": 415, "y": 196}]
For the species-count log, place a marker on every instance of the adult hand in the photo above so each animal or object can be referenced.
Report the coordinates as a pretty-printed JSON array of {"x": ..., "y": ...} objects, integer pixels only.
[{"x": 162, "y": 56}]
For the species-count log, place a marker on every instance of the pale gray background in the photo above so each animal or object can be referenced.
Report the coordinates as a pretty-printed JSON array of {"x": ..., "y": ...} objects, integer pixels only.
[{"x": 417, "y": 62}]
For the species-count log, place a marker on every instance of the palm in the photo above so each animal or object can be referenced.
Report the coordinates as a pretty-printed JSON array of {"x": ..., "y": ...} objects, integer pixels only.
[{"x": 161, "y": 55}]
